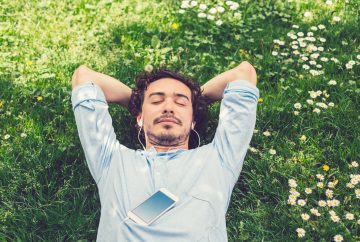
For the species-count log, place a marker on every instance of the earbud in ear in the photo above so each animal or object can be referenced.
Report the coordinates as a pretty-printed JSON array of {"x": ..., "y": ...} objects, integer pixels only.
[
  {"x": 141, "y": 123},
  {"x": 192, "y": 125}
]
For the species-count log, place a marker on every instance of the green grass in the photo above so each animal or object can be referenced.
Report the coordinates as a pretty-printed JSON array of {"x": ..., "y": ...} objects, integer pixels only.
[{"x": 46, "y": 190}]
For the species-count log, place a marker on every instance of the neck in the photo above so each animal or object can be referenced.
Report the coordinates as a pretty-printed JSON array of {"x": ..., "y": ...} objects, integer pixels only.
[{"x": 161, "y": 148}]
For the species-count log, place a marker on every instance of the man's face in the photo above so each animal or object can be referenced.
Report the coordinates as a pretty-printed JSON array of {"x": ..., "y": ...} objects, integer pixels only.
[{"x": 167, "y": 113}]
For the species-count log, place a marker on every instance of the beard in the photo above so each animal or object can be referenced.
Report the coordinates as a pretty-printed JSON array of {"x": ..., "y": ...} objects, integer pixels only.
[{"x": 167, "y": 139}]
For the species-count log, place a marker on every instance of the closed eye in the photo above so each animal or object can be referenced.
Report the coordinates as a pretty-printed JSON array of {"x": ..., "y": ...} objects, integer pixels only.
[
  {"x": 181, "y": 101},
  {"x": 156, "y": 102}
]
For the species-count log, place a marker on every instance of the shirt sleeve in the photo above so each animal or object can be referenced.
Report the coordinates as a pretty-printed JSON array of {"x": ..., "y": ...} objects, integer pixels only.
[
  {"x": 236, "y": 124},
  {"x": 94, "y": 126}
]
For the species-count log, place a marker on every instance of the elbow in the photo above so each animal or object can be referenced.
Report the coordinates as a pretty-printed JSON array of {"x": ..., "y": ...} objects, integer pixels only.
[
  {"x": 80, "y": 75},
  {"x": 245, "y": 71},
  {"x": 246, "y": 66}
]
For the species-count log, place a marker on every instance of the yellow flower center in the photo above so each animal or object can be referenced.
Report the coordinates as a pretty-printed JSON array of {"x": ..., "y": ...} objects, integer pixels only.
[
  {"x": 326, "y": 168},
  {"x": 175, "y": 26}
]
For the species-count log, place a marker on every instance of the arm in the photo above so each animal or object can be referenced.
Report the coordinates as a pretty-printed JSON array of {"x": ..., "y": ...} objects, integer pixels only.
[
  {"x": 238, "y": 93},
  {"x": 90, "y": 94},
  {"x": 114, "y": 90},
  {"x": 214, "y": 88}
]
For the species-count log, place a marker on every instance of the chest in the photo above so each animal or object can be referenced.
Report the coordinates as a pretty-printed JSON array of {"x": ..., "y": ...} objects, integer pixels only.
[{"x": 197, "y": 180}]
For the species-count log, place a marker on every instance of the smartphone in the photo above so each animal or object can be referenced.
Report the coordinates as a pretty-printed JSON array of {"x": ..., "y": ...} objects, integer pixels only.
[{"x": 153, "y": 207}]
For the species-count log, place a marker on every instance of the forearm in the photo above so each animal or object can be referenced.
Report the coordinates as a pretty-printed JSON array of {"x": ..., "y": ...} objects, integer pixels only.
[
  {"x": 115, "y": 91},
  {"x": 214, "y": 88}
]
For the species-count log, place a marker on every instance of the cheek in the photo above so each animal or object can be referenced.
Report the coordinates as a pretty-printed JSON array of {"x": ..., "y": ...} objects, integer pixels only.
[
  {"x": 149, "y": 114},
  {"x": 188, "y": 117}
]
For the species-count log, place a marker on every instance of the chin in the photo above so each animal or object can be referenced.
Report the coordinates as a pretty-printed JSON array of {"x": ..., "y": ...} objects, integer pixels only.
[{"x": 168, "y": 132}]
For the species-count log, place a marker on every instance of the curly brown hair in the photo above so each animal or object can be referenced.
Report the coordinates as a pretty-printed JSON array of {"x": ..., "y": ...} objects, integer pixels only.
[{"x": 199, "y": 102}]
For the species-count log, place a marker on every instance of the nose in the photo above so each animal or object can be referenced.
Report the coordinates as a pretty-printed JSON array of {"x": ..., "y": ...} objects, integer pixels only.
[{"x": 168, "y": 106}]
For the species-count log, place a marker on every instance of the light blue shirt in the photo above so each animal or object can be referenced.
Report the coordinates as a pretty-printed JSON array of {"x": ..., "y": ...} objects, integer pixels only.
[{"x": 202, "y": 178}]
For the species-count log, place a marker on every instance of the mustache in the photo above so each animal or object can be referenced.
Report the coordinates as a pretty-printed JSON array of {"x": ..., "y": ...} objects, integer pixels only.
[{"x": 159, "y": 119}]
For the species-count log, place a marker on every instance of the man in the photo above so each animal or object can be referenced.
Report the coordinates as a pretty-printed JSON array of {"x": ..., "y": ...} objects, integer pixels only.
[{"x": 165, "y": 108}]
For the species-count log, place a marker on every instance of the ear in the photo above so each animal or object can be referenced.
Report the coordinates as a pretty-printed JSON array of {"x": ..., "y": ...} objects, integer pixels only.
[{"x": 139, "y": 120}]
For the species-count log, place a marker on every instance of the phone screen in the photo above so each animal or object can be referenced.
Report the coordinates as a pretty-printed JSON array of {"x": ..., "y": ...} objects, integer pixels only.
[{"x": 153, "y": 206}]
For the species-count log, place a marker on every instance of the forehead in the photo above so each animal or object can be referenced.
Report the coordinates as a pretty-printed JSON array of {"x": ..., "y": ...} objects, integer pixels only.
[{"x": 168, "y": 86}]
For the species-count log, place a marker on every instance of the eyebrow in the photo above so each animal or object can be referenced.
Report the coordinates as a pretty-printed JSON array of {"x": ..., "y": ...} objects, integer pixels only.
[{"x": 163, "y": 94}]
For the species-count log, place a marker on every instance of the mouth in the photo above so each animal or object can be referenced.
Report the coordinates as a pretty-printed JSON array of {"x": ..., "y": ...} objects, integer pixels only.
[{"x": 168, "y": 120}]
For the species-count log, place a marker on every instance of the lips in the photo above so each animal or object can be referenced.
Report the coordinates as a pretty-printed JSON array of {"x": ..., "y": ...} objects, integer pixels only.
[{"x": 167, "y": 120}]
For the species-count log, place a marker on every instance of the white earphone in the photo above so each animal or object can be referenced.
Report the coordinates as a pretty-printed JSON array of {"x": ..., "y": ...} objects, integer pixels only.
[{"x": 140, "y": 125}]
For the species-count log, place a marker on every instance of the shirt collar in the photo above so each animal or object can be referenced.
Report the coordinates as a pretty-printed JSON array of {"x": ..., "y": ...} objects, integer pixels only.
[{"x": 151, "y": 152}]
